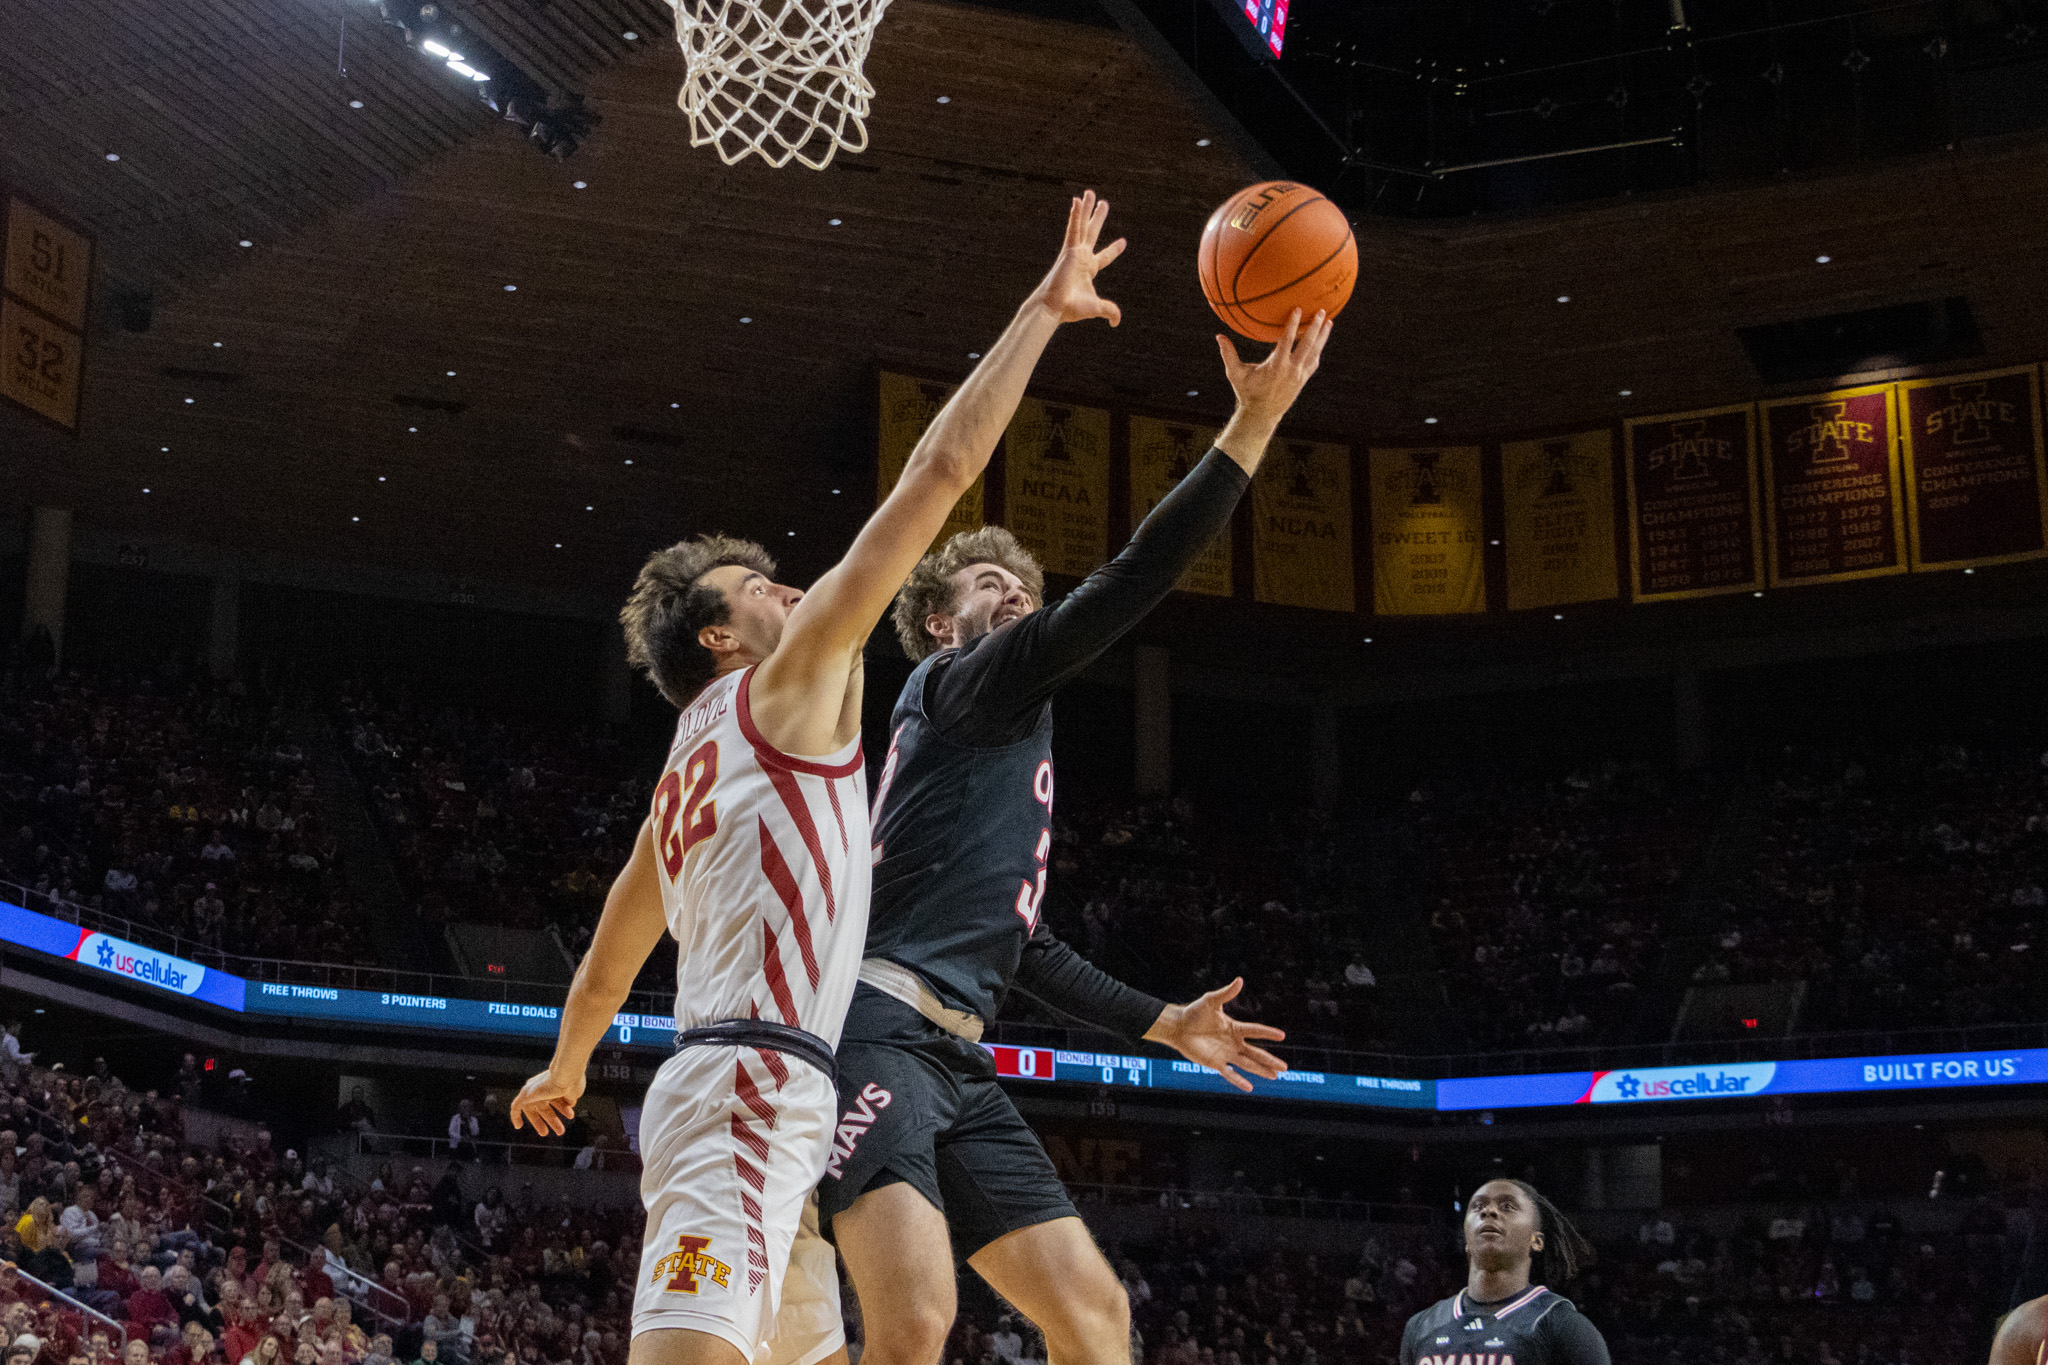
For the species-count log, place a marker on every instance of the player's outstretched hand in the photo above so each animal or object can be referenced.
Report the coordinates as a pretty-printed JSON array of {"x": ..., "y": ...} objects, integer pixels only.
[
  {"x": 1068, "y": 289},
  {"x": 546, "y": 1103},
  {"x": 1203, "y": 1033},
  {"x": 1269, "y": 388}
]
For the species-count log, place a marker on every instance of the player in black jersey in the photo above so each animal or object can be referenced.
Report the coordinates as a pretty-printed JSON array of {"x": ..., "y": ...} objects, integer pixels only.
[
  {"x": 1500, "y": 1317},
  {"x": 932, "y": 1165}
]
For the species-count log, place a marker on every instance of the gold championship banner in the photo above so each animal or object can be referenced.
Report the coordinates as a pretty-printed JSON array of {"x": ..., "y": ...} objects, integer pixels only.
[
  {"x": 1831, "y": 475},
  {"x": 1693, "y": 528},
  {"x": 908, "y": 406},
  {"x": 1056, "y": 484},
  {"x": 1427, "y": 531},
  {"x": 1558, "y": 504},
  {"x": 1162, "y": 454},
  {"x": 1301, "y": 527},
  {"x": 1974, "y": 472}
]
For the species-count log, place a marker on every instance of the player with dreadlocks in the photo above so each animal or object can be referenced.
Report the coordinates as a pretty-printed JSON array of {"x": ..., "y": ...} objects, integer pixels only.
[{"x": 1501, "y": 1315}]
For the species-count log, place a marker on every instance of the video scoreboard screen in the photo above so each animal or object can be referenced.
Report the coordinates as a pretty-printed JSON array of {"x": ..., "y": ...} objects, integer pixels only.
[
  {"x": 148, "y": 968},
  {"x": 1268, "y": 19}
]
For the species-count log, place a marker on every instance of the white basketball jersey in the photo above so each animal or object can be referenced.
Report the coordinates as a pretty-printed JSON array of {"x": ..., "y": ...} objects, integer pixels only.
[{"x": 765, "y": 869}]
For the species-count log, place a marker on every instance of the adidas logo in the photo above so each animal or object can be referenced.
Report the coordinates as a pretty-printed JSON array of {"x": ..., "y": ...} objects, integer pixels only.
[{"x": 1476, "y": 1325}]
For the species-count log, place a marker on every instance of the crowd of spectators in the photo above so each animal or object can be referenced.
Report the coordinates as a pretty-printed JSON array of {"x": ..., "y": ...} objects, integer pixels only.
[
  {"x": 496, "y": 821},
  {"x": 172, "y": 802},
  {"x": 241, "y": 1253}
]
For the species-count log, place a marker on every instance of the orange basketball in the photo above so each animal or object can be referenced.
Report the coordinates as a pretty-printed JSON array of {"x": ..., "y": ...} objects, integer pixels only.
[{"x": 1274, "y": 247}]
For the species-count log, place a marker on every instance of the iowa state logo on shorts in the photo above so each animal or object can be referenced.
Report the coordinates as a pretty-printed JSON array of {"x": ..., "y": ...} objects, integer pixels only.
[{"x": 687, "y": 1267}]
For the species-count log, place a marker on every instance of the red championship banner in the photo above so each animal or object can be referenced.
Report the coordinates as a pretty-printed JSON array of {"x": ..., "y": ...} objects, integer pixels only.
[
  {"x": 1831, "y": 473},
  {"x": 1693, "y": 528},
  {"x": 1974, "y": 475}
]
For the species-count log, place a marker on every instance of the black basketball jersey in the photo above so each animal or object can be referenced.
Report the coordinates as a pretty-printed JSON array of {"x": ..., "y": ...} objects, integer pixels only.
[
  {"x": 1535, "y": 1327},
  {"x": 963, "y": 807},
  {"x": 961, "y": 839}
]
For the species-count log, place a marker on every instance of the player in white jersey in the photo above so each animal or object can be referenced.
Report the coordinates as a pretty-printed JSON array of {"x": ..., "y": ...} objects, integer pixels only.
[{"x": 755, "y": 857}]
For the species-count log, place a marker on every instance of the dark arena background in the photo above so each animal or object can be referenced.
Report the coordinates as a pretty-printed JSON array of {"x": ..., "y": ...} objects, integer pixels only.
[{"x": 1611, "y": 738}]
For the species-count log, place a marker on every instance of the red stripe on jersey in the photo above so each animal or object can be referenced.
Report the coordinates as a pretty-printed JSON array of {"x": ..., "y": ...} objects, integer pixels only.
[
  {"x": 832, "y": 791},
  {"x": 792, "y": 795},
  {"x": 771, "y": 966},
  {"x": 750, "y": 1095},
  {"x": 777, "y": 1068},
  {"x": 772, "y": 757},
  {"x": 750, "y": 1206},
  {"x": 776, "y": 869},
  {"x": 749, "y": 1172},
  {"x": 755, "y": 1143}
]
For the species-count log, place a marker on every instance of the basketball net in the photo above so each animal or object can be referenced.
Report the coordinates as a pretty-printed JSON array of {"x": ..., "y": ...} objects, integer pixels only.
[{"x": 778, "y": 79}]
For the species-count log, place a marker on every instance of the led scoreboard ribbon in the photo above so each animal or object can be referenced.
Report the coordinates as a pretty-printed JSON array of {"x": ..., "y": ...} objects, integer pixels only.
[{"x": 60, "y": 940}]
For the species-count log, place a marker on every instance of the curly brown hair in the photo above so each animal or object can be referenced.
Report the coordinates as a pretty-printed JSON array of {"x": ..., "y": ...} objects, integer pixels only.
[
  {"x": 930, "y": 590},
  {"x": 670, "y": 605}
]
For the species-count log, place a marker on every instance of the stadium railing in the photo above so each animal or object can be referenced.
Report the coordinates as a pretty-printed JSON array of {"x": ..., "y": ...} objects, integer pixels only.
[
  {"x": 1173, "y": 1199},
  {"x": 13, "y": 1273},
  {"x": 499, "y": 1153}
]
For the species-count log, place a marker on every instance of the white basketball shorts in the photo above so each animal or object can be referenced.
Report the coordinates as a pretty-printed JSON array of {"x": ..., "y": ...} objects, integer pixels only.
[{"x": 733, "y": 1142}]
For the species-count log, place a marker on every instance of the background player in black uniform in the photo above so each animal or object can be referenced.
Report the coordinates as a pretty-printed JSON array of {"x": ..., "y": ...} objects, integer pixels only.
[
  {"x": 932, "y": 1161},
  {"x": 1500, "y": 1315}
]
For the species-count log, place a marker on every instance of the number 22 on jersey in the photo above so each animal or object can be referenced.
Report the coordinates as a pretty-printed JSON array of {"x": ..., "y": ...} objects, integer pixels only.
[
  {"x": 684, "y": 813},
  {"x": 1031, "y": 895}
]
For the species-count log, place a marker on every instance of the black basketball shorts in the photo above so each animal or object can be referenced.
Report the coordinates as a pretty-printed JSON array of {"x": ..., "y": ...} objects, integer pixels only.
[{"x": 921, "y": 1107}]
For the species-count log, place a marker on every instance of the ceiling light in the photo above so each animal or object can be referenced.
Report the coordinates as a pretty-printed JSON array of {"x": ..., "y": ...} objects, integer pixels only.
[
  {"x": 1429, "y": 421},
  {"x": 835, "y": 492},
  {"x": 675, "y": 405},
  {"x": 355, "y": 104},
  {"x": 380, "y": 478},
  {"x": 145, "y": 490},
  {"x": 1493, "y": 542},
  {"x": 1564, "y": 298},
  {"x": 945, "y": 99},
  {"x": 1368, "y": 639},
  {"x": 1194, "y": 393},
  {"x": 792, "y": 533},
  {"x": 974, "y": 355},
  {"x": 1558, "y": 617},
  {"x": 630, "y": 36},
  {"x": 412, "y": 428},
  {"x": 1822, "y": 260},
  {"x": 511, "y": 288},
  {"x": 558, "y": 545},
  {"x": 1969, "y": 571},
  {"x": 437, "y": 50},
  {"x": 216, "y": 345},
  {"x": 1627, "y": 392},
  {"x": 629, "y": 462},
  {"x": 188, "y": 400},
  {"x": 590, "y": 509},
  {"x": 245, "y": 242},
  {"x": 834, "y": 223},
  {"x": 465, "y": 69},
  {"x": 451, "y": 374},
  {"x": 579, "y": 185},
  {"x": 746, "y": 319},
  {"x": 355, "y": 518},
  {"x": 1201, "y": 142},
  {"x": 1756, "y": 594},
  {"x": 165, "y": 449},
  {"x": 113, "y": 156}
]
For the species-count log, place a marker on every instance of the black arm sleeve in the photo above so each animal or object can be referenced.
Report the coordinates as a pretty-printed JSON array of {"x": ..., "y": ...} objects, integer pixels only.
[
  {"x": 1054, "y": 974},
  {"x": 992, "y": 693},
  {"x": 1574, "y": 1340}
]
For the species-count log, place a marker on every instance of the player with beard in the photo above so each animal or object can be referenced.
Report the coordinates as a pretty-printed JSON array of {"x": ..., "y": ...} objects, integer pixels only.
[
  {"x": 1500, "y": 1315},
  {"x": 932, "y": 1165}
]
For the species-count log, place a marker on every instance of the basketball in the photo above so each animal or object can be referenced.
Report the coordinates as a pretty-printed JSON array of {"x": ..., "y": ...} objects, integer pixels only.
[{"x": 1274, "y": 247}]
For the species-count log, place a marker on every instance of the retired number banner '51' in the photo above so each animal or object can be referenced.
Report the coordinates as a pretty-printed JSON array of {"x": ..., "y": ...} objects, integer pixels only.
[
  {"x": 1693, "y": 529},
  {"x": 1973, "y": 468}
]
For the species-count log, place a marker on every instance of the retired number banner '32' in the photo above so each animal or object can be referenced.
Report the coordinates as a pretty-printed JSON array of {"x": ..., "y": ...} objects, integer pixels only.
[{"x": 1693, "y": 529}]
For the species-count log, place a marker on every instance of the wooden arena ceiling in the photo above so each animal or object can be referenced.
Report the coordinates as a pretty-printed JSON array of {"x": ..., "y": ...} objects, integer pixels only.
[{"x": 384, "y": 239}]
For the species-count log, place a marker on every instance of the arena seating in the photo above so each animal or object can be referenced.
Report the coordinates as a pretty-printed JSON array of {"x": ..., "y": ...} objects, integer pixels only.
[
  {"x": 273, "y": 1247},
  {"x": 1903, "y": 886}
]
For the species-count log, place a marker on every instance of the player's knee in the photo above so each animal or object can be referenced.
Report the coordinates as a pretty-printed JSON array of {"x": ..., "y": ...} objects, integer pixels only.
[
  {"x": 1097, "y": 1323},
  {"x": 909, "y": 1334}
]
